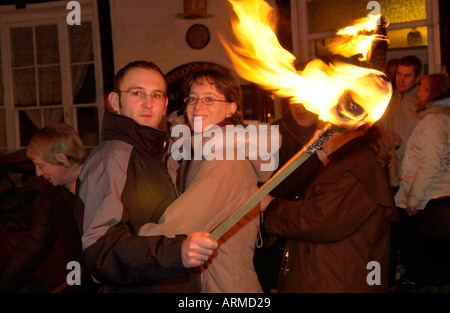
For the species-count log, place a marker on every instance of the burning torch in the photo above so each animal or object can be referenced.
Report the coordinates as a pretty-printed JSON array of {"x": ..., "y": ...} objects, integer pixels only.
[
  {"x": 345, "y": 96},
  {"x": 378, "y": 51}
]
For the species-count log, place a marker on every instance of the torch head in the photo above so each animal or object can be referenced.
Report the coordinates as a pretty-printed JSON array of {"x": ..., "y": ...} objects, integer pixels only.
[
  {"x": 378, "y": 51},
  {"x": 339, "y": 93}
]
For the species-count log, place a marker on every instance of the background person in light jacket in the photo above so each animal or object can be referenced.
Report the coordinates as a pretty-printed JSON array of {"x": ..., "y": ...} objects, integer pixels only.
[{"x": 424, "y": 194}]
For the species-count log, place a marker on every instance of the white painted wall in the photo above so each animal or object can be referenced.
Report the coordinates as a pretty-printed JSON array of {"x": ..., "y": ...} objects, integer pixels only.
[{"x": 150, "y": 30}]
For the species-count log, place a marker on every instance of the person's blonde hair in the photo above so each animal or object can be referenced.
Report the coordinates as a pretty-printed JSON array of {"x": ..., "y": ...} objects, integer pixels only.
[{"x": 57, "y": 138}]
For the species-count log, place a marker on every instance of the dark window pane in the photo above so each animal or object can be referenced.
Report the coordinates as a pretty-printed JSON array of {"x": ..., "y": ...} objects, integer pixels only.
[
  {"x": 50, "y": 86},
  {"x": 80, "y": 41},
  {"x": 83, "y": 83},
  {"x": 88, "y": 125},
  {"x": 47, "y": 44},
  {"x": 22, "y": 46},
  {"x": 29, "y": 123},
  {"x": 24, "y": 87}
]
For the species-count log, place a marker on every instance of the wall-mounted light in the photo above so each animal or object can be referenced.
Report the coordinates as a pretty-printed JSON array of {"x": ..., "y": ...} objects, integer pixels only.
[
  {"x": 193, "y": 9},
  {"x": 414, "y": 38}
]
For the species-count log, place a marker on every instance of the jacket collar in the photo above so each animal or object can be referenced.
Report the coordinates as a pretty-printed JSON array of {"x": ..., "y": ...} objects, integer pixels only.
[
  {"x": 410, "y": 93},
  {"x": 437, "y": 107},
  {"x": 145, "y": 138}
]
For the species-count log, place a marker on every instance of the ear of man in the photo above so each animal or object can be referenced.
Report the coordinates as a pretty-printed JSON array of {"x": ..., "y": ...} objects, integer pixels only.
[
  {"x": 114, "y": 101},
  {"x": 62, "y": 158},
  {"x": 165, "y": 107}
]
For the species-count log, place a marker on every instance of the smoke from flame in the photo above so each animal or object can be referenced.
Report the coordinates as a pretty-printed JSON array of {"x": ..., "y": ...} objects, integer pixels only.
[{"x": 340, "y": 93}]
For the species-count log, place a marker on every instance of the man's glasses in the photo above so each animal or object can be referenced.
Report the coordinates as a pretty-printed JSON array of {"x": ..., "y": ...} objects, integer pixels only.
[
  {"x": 205, "y": 100},
  {"x": 137, "y": 95}
]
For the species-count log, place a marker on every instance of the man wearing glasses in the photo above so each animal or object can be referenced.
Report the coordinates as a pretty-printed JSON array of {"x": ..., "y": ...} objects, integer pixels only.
[{"x": 124, "y": 185}]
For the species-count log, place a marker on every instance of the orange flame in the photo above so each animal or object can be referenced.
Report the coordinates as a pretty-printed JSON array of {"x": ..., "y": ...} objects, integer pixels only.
[
  {"x": 342, "y": 94},
  {"x": 353, "y": 39}
]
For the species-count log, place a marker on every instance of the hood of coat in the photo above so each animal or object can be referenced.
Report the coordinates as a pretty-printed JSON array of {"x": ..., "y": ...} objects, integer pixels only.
[
  {"x": 437, "y": 107},
  {"x": 301, "y": 134},
  {"x": 257, "y": 143}
]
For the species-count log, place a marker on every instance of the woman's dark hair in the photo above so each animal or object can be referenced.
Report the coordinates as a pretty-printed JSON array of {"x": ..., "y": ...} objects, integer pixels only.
[
  {"x": 439, "y": 85},
  {"x": 224, "y": 82}
]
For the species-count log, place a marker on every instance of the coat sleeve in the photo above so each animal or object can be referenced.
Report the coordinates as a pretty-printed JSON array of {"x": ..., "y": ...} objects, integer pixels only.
[
  {"x": 333, "y": 211},
  {"x": 122, "y": 257},
  {"x": 114, "y": 253},
  {"x": 435, "y": 138},
  {"x": 217, "y": 190}
]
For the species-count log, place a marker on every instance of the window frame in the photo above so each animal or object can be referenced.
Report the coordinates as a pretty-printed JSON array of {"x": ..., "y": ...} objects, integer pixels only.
[
  {"x": 304, "y": 42},
  {"x": 44, "y": 14}
]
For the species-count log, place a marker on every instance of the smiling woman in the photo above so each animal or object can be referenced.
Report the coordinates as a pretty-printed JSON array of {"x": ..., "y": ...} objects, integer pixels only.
[{"x": 221, "y": 97}]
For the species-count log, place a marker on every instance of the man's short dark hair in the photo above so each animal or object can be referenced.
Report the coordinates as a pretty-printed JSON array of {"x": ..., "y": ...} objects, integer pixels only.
[
  {"x": 414, "y": 61},
  {"x": 136, "y": 64}
]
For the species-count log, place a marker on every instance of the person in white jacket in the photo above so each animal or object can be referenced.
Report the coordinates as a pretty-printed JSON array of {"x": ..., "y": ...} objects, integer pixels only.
[
  {"x": 426, "y": 169},
  {"x": 425, "y": 175}
]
